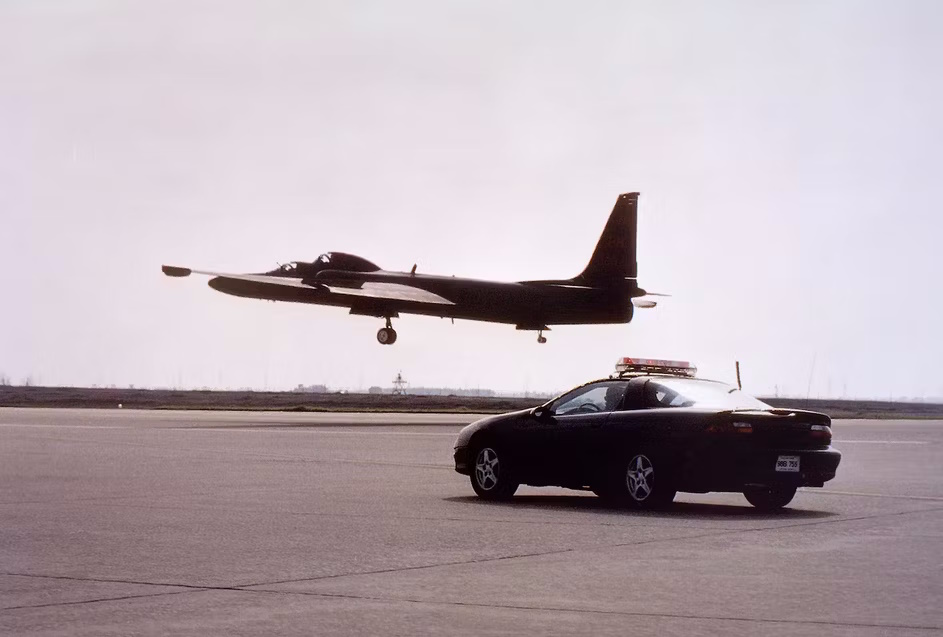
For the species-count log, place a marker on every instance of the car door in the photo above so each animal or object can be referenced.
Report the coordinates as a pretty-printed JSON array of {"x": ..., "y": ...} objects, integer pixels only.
[
  {"x": 626, "y": 429},
  {"x": 571, "y": 437},
  {"x": 650, "y": 421}
]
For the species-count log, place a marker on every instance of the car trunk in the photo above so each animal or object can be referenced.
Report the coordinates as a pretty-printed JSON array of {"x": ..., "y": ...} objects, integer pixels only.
[{"x": 778, "y": 428}]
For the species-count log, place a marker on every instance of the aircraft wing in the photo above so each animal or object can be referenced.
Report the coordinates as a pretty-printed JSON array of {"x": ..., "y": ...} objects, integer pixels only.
[
  {"x": 395, "y": 291},
  {"x": 175, "y": 271},
  {"x": 369, "y": 289}
]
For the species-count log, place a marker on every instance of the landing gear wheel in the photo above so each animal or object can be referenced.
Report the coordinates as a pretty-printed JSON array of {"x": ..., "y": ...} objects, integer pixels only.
[
  {"x": 769, "y": 498},
  {"x": 492, "y": 477},
  {"x": 643, "y": 482},
  {"x": 540, "y": 337},
  {"x": 386, "y": 336}
]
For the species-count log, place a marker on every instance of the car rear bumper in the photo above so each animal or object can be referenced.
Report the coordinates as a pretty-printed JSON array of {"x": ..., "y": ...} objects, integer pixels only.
[
  {"x": 721, "y": 472},
  {"x": 816, "y": 467}
]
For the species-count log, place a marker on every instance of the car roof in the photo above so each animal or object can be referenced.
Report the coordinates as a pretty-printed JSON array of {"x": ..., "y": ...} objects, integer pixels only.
[
  {"x": 651, "y": 375},
  {"x": 630, "y": 377}
]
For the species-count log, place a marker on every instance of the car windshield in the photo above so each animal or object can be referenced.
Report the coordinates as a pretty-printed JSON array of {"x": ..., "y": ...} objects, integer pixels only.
[
  {"x": 690, "y": 392},
  {"x": 589, "y": 399}
]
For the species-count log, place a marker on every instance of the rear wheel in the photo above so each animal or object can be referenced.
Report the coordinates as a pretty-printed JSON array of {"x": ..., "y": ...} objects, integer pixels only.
[
  {"x": 386, "y": 336},
  {"x": 492, "y": 476},
  {"x": 644, "y": 489},
  {"x": 643, "y": 481},
  {"x": 769, "y": 498}
]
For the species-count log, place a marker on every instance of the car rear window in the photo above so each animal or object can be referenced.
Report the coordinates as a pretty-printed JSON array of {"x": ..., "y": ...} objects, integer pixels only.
[{"x": 691, "y": 392}]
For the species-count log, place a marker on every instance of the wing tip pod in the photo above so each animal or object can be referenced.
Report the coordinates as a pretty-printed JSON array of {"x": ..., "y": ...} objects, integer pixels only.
[{"x": 172, "y": 270}]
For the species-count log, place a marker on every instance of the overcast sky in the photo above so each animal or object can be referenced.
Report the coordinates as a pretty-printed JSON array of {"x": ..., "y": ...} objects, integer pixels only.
[{"x": 787, "y": 155}]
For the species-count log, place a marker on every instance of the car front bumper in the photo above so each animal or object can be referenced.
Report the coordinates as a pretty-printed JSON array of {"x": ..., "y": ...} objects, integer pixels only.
[{"x": 462, "y": 463}]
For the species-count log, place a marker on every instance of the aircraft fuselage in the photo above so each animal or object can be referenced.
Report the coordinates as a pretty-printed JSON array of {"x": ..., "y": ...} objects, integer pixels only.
[{"x": 529, "y": 304}]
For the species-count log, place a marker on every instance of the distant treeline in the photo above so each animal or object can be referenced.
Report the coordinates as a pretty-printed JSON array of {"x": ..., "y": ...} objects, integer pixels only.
[
  {"x": 425, "y": 391},
  {"x": 111, "y": 398}
]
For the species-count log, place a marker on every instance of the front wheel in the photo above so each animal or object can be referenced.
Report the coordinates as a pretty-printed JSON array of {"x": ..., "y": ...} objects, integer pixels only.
[
  {"x": 492, "y": 477},
  {"x": 769, "y": 498}
]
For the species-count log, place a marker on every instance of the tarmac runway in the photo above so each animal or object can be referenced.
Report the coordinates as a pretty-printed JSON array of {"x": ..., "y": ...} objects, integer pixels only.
[{"x": 122, "y": 522}]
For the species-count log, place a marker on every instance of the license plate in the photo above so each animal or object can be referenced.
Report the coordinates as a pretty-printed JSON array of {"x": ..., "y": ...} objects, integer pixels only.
[{"x": 787, "y": 463}]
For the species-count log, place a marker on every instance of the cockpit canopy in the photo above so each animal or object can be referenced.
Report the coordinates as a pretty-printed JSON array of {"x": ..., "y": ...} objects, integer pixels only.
[
  {"x": 344, "y": 261},
  {"x": 327, "y": 261}
]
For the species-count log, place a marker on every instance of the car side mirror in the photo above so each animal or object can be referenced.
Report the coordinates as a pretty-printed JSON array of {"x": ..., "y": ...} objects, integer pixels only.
[{"x": 542, "y": 413}]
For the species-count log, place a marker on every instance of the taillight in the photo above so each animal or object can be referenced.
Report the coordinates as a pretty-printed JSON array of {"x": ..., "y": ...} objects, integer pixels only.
[
  {"x": 822, "y": 432},
  {"x": 730, "y": 428}
]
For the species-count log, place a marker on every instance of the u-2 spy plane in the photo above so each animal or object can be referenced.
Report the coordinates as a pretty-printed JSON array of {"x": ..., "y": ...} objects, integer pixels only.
[{"x": 605, "y": 292}]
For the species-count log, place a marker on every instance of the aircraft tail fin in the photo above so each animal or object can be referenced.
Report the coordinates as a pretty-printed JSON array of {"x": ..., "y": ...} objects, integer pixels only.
[{"x": 613, "y": 260}]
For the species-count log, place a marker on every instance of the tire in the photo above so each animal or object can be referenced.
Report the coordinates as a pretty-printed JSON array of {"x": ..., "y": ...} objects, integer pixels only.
[
  {"x": 769, "y": 498},
  {"x": 602, "y": 492},
  {"x": 608, "y": 492},
  {"x": 643, "y": 481},
  {"x": 492, "y": 475}
]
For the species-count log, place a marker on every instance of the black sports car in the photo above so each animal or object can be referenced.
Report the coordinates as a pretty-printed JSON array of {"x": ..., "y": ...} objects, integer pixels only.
[{"x": 646, "y": 433}]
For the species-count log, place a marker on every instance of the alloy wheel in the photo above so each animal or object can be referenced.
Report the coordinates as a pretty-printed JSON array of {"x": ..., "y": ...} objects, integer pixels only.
[
  {"x": 487, "y": 469},
  {"x": 640, "y": 478}
]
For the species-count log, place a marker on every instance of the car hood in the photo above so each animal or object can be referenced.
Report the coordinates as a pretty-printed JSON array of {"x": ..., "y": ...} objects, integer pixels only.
[{"x": 465, "y": 435}]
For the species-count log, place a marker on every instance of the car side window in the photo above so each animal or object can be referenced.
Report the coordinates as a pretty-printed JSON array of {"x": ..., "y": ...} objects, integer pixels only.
[
  {"x": 595, "y": 398},
  {"x": 658, "y": 395}
]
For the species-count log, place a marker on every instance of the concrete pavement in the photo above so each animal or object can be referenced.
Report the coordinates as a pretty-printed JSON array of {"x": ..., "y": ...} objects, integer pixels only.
[{"x": 122, "y": 522}]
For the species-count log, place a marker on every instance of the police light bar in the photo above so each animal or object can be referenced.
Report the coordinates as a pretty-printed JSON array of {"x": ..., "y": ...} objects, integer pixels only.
[{"x": 626, "y": 365}]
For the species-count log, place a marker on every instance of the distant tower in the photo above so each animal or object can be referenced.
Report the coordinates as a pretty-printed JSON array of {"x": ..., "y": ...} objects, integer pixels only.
[{"x": 399, "y": 385}]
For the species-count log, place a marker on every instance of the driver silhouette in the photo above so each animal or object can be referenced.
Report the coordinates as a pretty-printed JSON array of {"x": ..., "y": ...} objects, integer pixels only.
[{"x": 614, "y": 395}]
